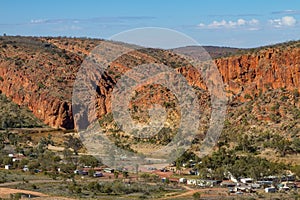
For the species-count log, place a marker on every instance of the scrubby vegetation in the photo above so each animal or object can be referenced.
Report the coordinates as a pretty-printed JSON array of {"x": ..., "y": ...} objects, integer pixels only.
[
  {"x": 15, "y": 116},
  {"x": 260, "y": 136}
]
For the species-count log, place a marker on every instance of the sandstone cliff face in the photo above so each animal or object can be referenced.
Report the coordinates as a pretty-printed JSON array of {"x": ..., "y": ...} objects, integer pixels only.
[
  {"x": 39, "y": 76},
  {"x": 39, "y": 73},
  {"x": 267, "y": 69}
]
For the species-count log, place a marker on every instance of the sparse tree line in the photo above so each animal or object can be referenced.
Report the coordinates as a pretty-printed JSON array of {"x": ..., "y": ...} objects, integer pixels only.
[
  {"x": 217, "y": 165},
  {"x": 39, "y": 159}
]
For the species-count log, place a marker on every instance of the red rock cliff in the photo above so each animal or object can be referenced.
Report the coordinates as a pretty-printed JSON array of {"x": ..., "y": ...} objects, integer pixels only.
[{"x": 40, "y": 72}]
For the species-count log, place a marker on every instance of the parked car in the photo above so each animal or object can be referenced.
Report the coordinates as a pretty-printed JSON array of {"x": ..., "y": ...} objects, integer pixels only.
[
  {"x": 84, "y": 173},
  {"x": 152, "y": 168},
  {"x": 98, "y": 174},
  {"x": 164, "y": 170},
  {"x": 25, "y": 168},
  {"x": 81, "y": 172}
]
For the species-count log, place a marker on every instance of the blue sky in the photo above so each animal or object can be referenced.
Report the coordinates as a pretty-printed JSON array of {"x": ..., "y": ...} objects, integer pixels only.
[{"x": 237, "y": 23}]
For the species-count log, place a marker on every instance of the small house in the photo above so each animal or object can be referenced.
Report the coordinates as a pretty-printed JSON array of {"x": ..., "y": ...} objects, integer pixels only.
[
  {"x": 255, "y": 186},
  {"x": 108, "y": 170},
  {"x": 202, "y": 183},
  {"x": 8, "y": 167},
  {"x": 270, "y": 190},
  {"x": 228, "y": 184},
  {"x": 246, "y": 180},
  {"x": 288, "y": 178},
  {"x": 265, "y": 183},
  {"x": 191, "y": 181},
  {"x": 182, "y": 180},
  {"x": 286, "y": 185},
  {"x": 243, "y": 188},
  {"x": 284, "y": 188},
  {"x": 207, "y": 183},
  {"x": 16, "y": 157}
]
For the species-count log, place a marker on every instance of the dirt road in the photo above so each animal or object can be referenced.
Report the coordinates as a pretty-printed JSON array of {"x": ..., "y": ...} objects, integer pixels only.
[
  {"x": 5, "y": 192},
  {"x": 205, "y": 192}
]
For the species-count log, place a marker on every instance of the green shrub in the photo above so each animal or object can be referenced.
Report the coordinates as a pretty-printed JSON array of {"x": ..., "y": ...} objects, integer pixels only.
[
  {"x": 41, "y": 85},
  {"x": 247, "y": 96},
  {"x": 196, "y": 195}
]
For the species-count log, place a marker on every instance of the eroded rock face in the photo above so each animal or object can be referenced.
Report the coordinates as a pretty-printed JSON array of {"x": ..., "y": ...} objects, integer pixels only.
[
  {"x": 39, "y": 73},
  {"x": 39, "y": 76},
  {"x": 267, "y": 69}
]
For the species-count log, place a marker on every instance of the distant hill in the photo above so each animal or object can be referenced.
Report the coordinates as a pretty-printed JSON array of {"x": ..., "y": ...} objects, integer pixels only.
[
  {"x": 214, "y": 51},
  {"x": 262, "y": 85},
  {"x": 38, "y": 73}
]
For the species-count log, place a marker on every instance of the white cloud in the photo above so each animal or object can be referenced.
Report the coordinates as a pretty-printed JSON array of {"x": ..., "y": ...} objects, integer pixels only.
[
  {"x": 230, "y": 24},
  {"x": 253, "y": 22},
  {"x": 284, "y": 21},
  {"x": 37, "y": 21},
  {"x": 218, "y": 24},
  {"x": 201, "y": 25},
  {"x": 288, "y": 21},
  {"x": 286, "y": 12},
  {"x": 241, "y": 22}
]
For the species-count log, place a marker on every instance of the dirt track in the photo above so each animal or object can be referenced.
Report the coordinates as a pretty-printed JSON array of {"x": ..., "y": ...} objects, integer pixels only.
[
  {"x": 5, "y": 192},
  {"x": 206, "y": 192}
]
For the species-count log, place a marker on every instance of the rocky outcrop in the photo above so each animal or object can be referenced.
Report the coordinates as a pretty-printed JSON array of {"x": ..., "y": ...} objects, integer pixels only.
[
  {"x": 40, "y": 76},
  {"x": 272, "y": 68},
  {"x": 39, "y": 73}
]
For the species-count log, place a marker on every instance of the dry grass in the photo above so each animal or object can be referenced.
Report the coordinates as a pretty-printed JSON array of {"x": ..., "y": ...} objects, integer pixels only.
[{"x": 270, "y": 154}]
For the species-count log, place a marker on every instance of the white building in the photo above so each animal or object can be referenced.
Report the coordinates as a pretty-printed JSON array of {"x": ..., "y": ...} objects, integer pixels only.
[
  {"x": 182, "y": 180},
  {"x": 246, "y": 180},
  {"x": 270, "y": 190},
  {"x": 7, "y": 167}
]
